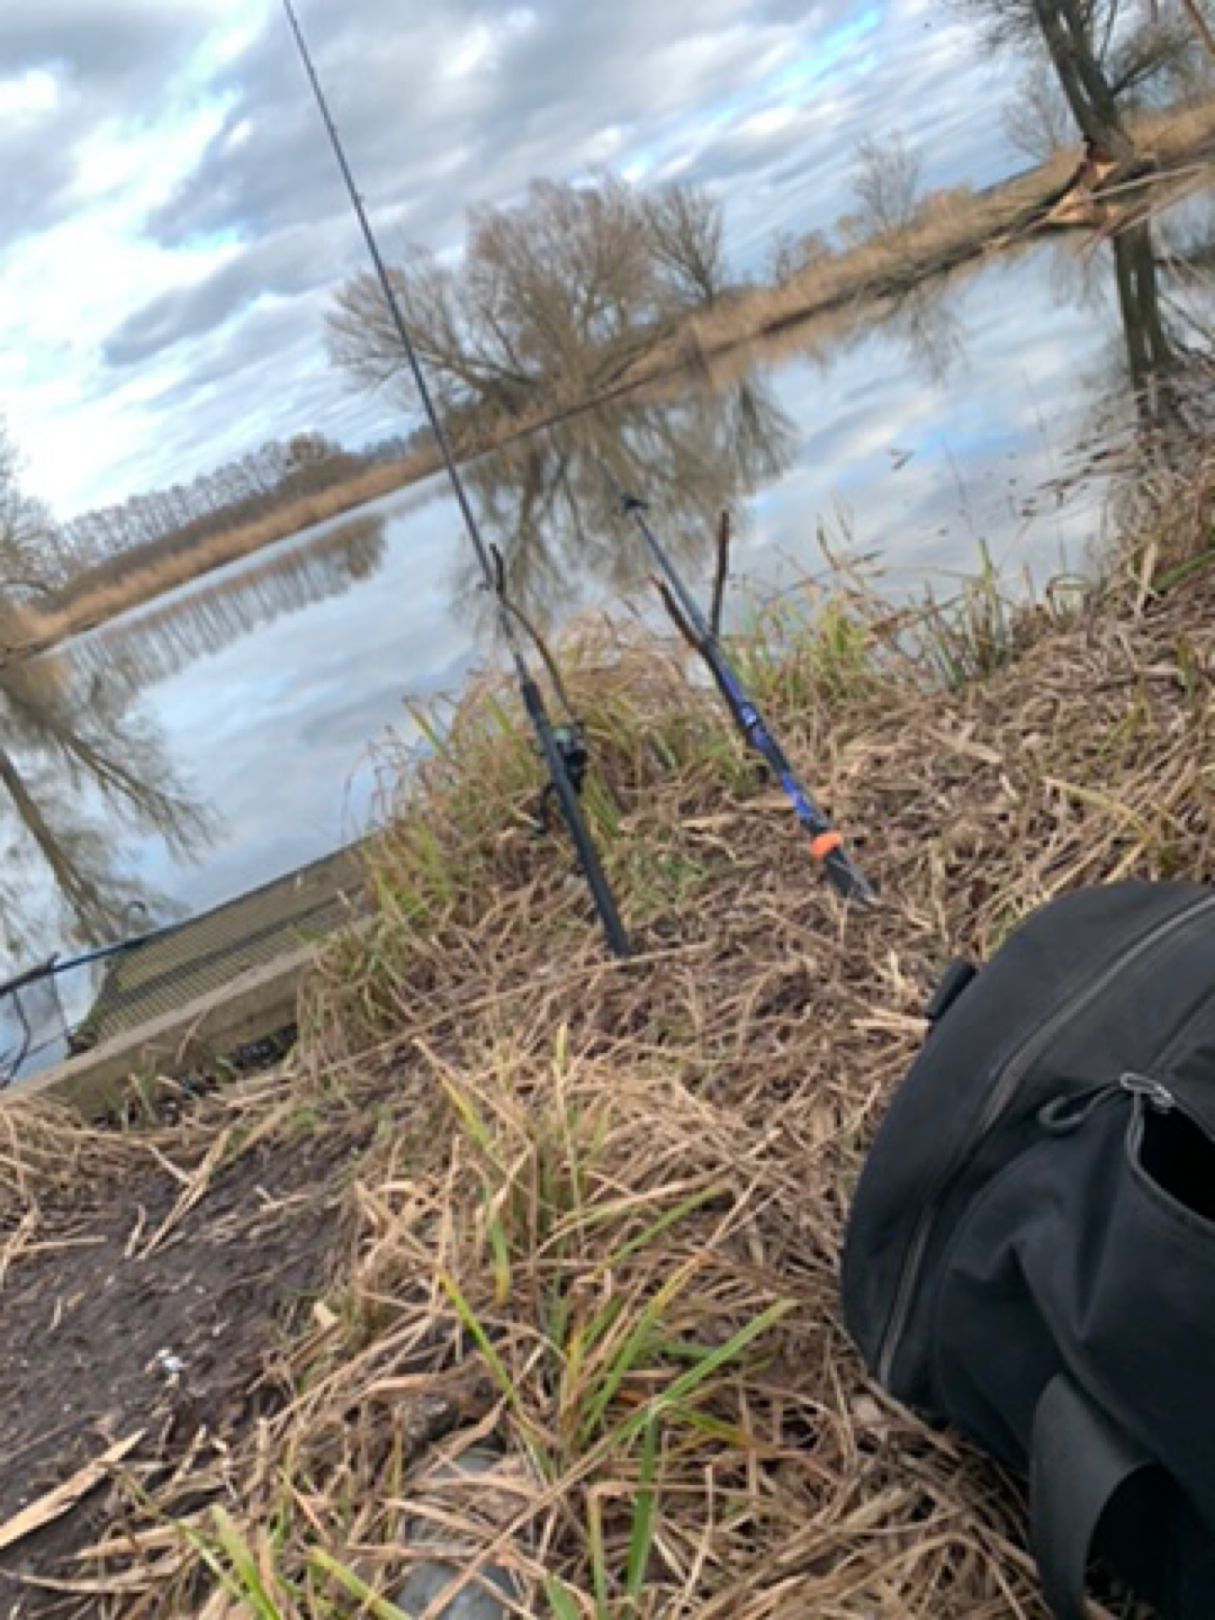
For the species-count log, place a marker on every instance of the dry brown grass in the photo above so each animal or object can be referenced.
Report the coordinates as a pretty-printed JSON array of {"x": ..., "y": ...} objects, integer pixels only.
[
  {"x": 16, "y": 626},
  {"x": 593, "y": 1210},
  {"x": 1178, "y": 133},
  {"x": 949, "y": 233}
]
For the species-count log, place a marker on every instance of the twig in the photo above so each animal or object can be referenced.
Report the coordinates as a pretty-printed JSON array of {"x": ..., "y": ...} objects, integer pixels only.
[
  {"x": 54, "y": 1504},
  {"x": 722, "y": 576},
  {"x": 531, "y": 631},
  {"x": 676, "y": 615}
]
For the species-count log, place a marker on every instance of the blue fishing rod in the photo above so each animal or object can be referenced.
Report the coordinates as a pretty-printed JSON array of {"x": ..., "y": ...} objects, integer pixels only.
[
  {"x": 826, "y": 842},
  {"x": 562, "y": 748}
]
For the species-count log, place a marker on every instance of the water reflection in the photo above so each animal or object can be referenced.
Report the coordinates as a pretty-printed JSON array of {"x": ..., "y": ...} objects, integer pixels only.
[
  {"x": 1155, "y": 396},
  {"x": 932, "y": 331},
  {"x": 165, "y": 638},
  {"x": 1150, "y": 355},
  {"x": 548, "y": 501},
  {"x": 82, "y": 772},
  {"x": 73, "y": 778}
]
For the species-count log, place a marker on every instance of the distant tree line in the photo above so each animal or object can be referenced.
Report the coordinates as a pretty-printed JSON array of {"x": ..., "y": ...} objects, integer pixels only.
[
  {"x": 32, "y": 552},
  {"x": 239, "y": 491},
  {"x": 44, "y": 564}
]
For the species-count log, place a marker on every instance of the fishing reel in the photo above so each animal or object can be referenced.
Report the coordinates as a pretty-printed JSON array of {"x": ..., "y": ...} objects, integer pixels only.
[{"x": 576, "y": 760}]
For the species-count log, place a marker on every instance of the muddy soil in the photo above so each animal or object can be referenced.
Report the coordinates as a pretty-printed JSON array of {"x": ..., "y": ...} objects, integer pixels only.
[{"x": 121, "y": 1325}]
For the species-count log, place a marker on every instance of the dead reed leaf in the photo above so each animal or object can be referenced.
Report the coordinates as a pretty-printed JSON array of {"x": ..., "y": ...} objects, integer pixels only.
[{"x": 54, "y": 1504}]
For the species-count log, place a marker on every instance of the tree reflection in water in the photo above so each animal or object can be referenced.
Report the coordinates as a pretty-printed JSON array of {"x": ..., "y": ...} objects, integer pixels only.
[
  {"x": 74, "y": 776},
  {"x": 158, "y": 641},
  {"x": 547, "y": 500},
  {"x": 80, "y": 770}
]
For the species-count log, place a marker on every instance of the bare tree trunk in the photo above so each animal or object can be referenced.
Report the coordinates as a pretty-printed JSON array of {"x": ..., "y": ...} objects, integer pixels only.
[
  {"x": 75, "y": 887},
  {"x": 1084, "y": 84},
  {"x": 1150, "y": 354}
]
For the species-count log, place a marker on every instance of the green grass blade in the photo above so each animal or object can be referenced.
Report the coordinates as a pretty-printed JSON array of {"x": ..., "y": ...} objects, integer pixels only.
[
  {"x": 664, "y": 1222},
  {"x": 497, "y": 1367},
  {"x": 598, "y": 1552},
  {"x": 474, "y": 1126},
  {"x": 244, "y": 1578},
  {"x": 499, "y": 1248},
  {"x": 630, "y": 1352},
  {"x": 687, "y": 1383},
  {"x": 641, "y": 1539},
  {"x": 561, "y": 1603},
  {"x": 371, "y": 1600}
]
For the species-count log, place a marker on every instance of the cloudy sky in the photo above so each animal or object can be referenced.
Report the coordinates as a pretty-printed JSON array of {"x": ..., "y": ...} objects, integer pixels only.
[{"x": 172, "y": 225}]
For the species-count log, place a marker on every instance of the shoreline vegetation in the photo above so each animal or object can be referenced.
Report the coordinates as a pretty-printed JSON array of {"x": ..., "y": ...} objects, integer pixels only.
[
  {"x": 947, "y": 231},
  {"x": 523, "y": 1268}
]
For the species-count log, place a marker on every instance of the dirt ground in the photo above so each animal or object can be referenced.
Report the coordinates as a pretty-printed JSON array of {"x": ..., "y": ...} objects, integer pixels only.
[{"x": 140, "y": 1317}]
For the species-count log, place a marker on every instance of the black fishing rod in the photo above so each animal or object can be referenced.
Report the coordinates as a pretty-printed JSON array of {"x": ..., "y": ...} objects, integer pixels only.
[
  {"x": 826, "y": 843},
  {"x": 551, "y": 746}
]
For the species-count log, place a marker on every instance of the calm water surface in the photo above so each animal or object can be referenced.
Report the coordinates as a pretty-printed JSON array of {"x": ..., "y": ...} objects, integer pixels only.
[{"x": 239, "y": 727}]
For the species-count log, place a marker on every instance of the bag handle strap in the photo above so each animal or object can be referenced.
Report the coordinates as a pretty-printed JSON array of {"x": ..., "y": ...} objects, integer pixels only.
[{"x": 1078, "y": 1463}]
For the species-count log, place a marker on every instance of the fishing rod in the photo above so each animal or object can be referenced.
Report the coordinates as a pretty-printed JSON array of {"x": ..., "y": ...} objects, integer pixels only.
[
  {"x": 559, "y": 749},
  {"x": 826, "y": 843}
]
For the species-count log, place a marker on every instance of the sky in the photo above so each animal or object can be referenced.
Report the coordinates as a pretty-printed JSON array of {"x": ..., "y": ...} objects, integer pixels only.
[{"x": 172, "y": 226}]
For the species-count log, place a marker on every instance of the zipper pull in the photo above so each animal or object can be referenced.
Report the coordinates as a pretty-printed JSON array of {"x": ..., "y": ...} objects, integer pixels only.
[
  {"x": 1062, "y": 1115},
  {"x": 1154, "y": 1094}
]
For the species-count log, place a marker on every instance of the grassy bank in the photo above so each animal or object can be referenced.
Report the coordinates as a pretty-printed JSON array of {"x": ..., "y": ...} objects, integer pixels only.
[
  {"x": 950, "y": 230},
  {"x": 581, "y": 1219}
]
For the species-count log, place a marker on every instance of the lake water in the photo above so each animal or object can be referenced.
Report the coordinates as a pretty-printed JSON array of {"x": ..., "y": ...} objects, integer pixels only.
[{"x": 240, "y": 726}]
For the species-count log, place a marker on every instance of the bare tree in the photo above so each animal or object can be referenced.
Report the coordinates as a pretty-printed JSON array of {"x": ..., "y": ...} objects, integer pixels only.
[
  {"x": 29, "y": 553},
  {"x": 1069, "y": 29},
  {"x": 1159, "y": 58},
  {"x": 887, "y": 184},
  {"x": 1200, "y": 23},
  {"x": 552, "y": 300},
  {"x": 1105, "y": 54},
  {"x": 1038, "y": 122},
  {"x": 60, "y": 760},
  {"x": 685, "y": 231}
]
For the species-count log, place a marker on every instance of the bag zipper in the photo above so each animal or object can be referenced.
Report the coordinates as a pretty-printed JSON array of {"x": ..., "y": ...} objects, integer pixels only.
[
  {"x": 1062, "y": 1115},
  {"x": 1002, "y": 1093}
]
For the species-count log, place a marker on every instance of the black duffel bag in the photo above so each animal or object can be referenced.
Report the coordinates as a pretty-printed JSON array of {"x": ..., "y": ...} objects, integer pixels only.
[{"x": 1031, "y": 1251}]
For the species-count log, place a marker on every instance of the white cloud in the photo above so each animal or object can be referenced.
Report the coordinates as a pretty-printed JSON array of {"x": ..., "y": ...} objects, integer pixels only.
[
  {"x": 30, "y": 93},
  {"x": 182, "y": 215}
]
